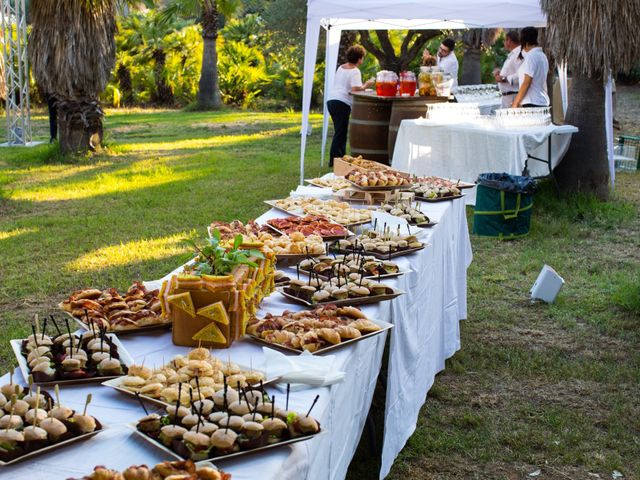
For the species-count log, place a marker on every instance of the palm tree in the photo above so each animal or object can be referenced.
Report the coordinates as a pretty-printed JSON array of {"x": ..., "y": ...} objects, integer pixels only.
[
  {"x": 208, "y": 14},
  {"x": 473, "y": 40},
  {"x": 594, "y": 38},
  {"x": 72, "y": 52}
]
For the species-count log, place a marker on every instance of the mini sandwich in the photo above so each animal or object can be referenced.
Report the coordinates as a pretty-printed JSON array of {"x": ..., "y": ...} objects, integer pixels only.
[
  {"x": 197, "y": 444},
  {"x": 150, "y": 423},
  {"x": 239, "y": 408},
  {"x": 110, "y": 367},
  {"x": 54, "y": 428},
  {"x": 274, "y": 428},
  {"x": 205, "y": 406},
  {"x": 140, "y": 371},
  {"x": 10, "y": 444},
  {"x": 181, "y": 412},
  {"x": 34, "y": 416},
  {"x": 207, "y": 428},
  {"x": 224, "y": 441},
  {"x": 19, "y": 407},
  {"x": 84, "y": 423},
  {"x": 34, "y": 434},
  {"x": 252, "y": 417},
  {"x": 169, "y": 433},
  {"x": 234, "y": 422},
  {"x": 301, "y": 425},
  {"x": 39, "y": 352},
  {"x": 97, "y": 357},
  {"x": 61, "y": 412},
  {"x": 191, "y": 420},
  {"x": 11, "y": 421},
  {"x": 217, "y": 417},
  {"x": 32, "y": 399}
]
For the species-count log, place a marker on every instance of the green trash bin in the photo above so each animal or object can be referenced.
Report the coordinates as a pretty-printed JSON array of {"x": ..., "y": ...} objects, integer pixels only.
[{"x": 503, "y": 206}]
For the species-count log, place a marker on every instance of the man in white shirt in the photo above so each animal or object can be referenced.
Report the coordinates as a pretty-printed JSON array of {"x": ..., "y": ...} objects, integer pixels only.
[
  {"x": 447, "y": 60},
  {"x": 507, "y": 77},
  {"x": 532, "y": 74}
]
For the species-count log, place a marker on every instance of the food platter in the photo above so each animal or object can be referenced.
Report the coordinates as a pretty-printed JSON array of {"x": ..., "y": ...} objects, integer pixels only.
[
  {"x": 424, "y": 224},
  {"x": 383, "y": 256},
  {"x": 379, "y": 188},
  {"x": 55, "y": 446},
  {"x": 384, "y": 326},
  {"x": 291, "y": 260},
  {"x": 295, "y": 213},
  {"x": 124, "y": 358},
  {"x": 124, "y": 331},
  {"x": 328, "y": 239},
  {"x": 347, "y": 301},
  {"x": 173, "y": 454},
  {"x": 438, "y": 199},
  {"x": 117, "y": 384}
]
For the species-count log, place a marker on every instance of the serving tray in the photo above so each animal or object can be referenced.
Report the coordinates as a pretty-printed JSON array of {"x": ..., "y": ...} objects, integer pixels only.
[
  {"x": 125, "y": 358},
  {"x": 384, "y": 326},
  {"x": 347, "y": 301}
]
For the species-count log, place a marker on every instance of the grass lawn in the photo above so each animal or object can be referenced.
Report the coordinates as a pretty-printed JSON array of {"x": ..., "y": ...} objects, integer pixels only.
[{"x": 535, "y": 387}]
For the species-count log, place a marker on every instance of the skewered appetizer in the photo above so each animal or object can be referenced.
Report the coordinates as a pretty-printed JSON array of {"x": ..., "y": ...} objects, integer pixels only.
[
  {"x": 309, "y": 225},
  {"x": 108, "y": 309},
  {"x": 179, "y": 470},
  {"x": 413, "y": 215},
  {"x": 293, "y": 244},
  {"x": 66, "y": 356},
  {"x": 32, "y": 422},
  {"x": 366, "y": 164},
  {"x": 247, "y": 419},
  {"x": 378, "y": 243},
  {"x": 336, "y": 184},
  {"x": 312, "y": 330},
  {"x": 341, "y": 287},
  {"x": 377, "y": 179},
  {"x": 369, "y": 265},
  {"x": 436, "y": 182},
  {"x": 429, "y": 191},
  {"x": 198, "y": 374},
  {"x": 280, "y": 278}
]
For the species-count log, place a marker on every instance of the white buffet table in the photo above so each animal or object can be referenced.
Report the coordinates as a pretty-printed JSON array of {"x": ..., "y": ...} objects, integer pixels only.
[
  {"x": 426, "y": 333},
  {"x": 465, "y": 150}
]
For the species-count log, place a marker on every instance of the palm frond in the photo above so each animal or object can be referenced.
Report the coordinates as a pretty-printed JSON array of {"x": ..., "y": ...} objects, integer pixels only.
[
  {"x": 72, "y": 49},
  {"x": 593, "y": 36}
]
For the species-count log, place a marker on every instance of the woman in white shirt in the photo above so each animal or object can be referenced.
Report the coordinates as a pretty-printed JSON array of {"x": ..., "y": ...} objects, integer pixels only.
[
  {"x": 348, "y": 79},
  {"x": 532, "y": 74}
]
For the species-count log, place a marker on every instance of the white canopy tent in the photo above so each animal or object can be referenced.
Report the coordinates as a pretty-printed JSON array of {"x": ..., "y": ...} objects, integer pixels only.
[{"x": 337, "y": 15}]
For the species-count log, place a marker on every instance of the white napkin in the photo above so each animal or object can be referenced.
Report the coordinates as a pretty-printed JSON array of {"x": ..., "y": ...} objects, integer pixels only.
[
  {"x": 393, "y": 222},
  {"x": 301, "y": 371},
  {"x": 316, "y": 192}
]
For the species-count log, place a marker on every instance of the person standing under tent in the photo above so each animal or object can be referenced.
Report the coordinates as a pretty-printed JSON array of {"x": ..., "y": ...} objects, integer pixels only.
[
  {"x": 507, "y": 76},
  {"x": 347, "y": 79},
  {"x": 447, "y": 60},
  {"x": 532, "y": 74}
]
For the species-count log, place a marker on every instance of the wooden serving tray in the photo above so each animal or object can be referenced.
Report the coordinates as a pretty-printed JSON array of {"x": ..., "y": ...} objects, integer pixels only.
[{"x": 383, "y": 256}]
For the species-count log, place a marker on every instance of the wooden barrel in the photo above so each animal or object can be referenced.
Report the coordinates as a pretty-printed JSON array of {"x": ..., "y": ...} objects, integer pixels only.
[
  {"x": 369, "y": 127},
  {"x": 406, "y": 108}
]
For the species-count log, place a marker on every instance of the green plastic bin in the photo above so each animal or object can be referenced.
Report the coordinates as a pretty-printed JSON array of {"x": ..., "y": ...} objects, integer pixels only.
[{"x": 503, "y": 212}]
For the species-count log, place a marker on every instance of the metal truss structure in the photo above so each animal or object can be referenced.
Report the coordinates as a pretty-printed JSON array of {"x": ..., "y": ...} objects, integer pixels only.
[{"x": 16, "y": 71}]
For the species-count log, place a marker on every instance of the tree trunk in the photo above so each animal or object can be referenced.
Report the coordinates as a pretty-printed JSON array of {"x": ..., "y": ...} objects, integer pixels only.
[
  {"x": 347, "y": 38},
  {"x": 386, "y": 55},
  {"x": 163, "y": 95},
  {"x": 126, "y": 86},
  {"x": 79, "y": 126},
  {"x": 471, "y": 73},
  {"x": 585, "y": 167},
  {"x": 472, "y": 41},
  {"x": 208, "y": 97}
]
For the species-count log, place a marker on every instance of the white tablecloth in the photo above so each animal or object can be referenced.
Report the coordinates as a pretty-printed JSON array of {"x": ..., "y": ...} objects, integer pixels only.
[
  {"x": 426, "y": 333},
  {"x": 463, "y": 151}
]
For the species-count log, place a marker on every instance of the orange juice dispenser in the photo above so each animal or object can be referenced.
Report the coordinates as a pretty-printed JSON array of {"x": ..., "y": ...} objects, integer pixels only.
[{"x": 407, "y": 83}]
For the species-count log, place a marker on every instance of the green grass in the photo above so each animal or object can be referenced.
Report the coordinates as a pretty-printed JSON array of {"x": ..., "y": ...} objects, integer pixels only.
[{"x": 535, "y": 386}]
